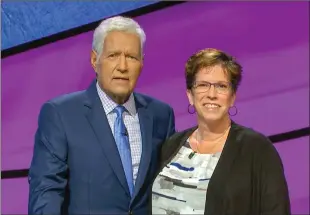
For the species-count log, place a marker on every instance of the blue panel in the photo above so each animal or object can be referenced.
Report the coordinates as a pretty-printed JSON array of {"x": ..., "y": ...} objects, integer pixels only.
[{"x": 23, "y": 21}]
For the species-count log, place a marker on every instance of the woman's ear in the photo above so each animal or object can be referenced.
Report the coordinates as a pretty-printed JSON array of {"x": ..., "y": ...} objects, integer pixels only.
[
  {"x": 232, "y": 100},
  {"x": 190, "y": 96}
]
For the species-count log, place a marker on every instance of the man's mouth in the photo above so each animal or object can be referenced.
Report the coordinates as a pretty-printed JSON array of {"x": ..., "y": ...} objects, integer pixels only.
[{"x": 121, "y": 78}]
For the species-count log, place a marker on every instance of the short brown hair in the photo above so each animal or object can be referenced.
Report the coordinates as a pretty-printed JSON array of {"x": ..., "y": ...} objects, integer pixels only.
[{"x": 209, "y": 58}]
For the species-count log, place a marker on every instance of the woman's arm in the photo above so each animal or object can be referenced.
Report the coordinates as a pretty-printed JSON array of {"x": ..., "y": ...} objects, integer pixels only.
[{"x": 274, "y": 190}]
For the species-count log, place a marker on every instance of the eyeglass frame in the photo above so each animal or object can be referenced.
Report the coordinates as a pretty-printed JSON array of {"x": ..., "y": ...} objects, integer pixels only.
[{"x": 215, "y": 85}]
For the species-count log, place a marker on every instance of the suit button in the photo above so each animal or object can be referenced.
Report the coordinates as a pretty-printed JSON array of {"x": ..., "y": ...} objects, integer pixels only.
[{"x": 130, "y": 212}]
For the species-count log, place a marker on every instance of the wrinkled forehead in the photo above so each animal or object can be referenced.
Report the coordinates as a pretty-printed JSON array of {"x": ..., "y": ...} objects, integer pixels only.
[{"x": 118, "y": 41}]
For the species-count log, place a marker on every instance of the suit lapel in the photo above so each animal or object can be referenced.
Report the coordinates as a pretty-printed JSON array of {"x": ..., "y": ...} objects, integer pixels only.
[
  {"x": 100, "y": 125},
  {"x": 216, "y": 187},
  {"x": 146, "y": 127}
]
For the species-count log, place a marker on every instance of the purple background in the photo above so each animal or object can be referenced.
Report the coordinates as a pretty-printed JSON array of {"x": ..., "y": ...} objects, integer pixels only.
[{"x": 270, "y": 39}]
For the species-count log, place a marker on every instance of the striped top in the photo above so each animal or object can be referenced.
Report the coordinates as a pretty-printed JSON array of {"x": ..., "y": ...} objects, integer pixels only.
[{"x": 181, "y": 187}]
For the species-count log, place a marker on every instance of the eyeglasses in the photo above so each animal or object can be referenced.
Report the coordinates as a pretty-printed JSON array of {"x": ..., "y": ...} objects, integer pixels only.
[{"x": 204, "y": 86}]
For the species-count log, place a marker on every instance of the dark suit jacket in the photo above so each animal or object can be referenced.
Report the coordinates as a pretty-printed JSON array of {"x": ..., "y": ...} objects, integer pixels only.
[
  {"x": 76, "y": 165},
  {"x": 248, "y": 179}
]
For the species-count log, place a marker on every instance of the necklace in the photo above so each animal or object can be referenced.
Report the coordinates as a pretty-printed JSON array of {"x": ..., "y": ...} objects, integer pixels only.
[{"x": 218, "y": 139}]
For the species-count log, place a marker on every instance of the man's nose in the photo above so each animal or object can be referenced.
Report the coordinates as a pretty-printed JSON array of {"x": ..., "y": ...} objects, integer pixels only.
[{"x": 122, "y": 64}]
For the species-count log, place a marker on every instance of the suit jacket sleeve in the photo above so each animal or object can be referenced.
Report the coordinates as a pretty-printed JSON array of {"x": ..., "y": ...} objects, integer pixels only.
[
  {"x": 171, "y": 124},
  {"x": 48, "y": 170},
  {"x": 274, "y": 193}
]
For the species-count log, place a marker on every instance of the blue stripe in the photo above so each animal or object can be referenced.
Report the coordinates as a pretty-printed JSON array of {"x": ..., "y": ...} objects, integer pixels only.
[
  {"x": 179, "y": 166},
  {"x": 204, "y": 179}
]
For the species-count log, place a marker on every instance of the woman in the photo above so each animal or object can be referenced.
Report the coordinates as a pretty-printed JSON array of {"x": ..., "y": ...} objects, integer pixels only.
[{"x": 218, "y": 167}]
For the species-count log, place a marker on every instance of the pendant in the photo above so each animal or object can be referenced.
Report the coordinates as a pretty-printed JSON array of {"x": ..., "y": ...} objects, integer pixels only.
[{"x": 191, "y": 155}]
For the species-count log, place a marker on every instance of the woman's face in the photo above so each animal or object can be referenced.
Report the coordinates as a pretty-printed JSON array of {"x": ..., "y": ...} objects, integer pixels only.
[{"x": 212, "y": 94}]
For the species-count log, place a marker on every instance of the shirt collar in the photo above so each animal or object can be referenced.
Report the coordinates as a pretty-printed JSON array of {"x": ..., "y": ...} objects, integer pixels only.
[{"x": 109, "y": 105}]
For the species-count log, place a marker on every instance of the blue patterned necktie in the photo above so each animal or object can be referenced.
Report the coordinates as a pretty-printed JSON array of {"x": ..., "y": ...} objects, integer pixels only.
[{"x": 122, "y": 142}]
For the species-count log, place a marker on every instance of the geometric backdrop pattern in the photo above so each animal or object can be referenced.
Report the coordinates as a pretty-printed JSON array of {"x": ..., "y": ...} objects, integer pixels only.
[{"x": 24, "y": 21}]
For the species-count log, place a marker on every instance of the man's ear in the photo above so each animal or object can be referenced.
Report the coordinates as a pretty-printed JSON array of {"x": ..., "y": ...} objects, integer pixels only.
[
  {"x": 93, "y": 59},
  {"x": 142, "y": 60}
]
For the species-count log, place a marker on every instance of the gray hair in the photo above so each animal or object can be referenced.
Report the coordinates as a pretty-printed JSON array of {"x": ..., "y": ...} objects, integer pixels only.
[{"x": 117, "y": 23}]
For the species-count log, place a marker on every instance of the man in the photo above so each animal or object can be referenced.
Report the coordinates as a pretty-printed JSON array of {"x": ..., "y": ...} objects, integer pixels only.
[{"x": 96, "y": 150}]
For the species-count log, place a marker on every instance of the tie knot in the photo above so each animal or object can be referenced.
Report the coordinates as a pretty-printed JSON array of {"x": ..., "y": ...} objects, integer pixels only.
[{"x": 119, "y": 110}]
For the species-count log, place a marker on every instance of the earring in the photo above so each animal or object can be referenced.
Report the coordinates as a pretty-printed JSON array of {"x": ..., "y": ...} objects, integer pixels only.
[
  {"x": 235, "y": 111},
  {"x": 191, "y": 109}
]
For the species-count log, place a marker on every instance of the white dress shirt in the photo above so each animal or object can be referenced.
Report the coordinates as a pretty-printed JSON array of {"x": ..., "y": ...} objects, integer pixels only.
[{"x": 132, "y": 124}]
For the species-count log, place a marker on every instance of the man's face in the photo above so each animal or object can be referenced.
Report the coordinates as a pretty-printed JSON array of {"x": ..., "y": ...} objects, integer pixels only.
[{"x": 119, "y": 65}]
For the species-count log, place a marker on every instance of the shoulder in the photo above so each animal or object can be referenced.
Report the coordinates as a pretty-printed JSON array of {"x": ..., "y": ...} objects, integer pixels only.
[
  {"x": 252, "y": 139},
  {"x": 63, "y": 103},
  {"x": 178, "y": 138},
  {"x": 159, "y": 109},
  {"x": 68, "y": 99},
  {"x": 260, "y": 148},
  {"x": 152, "y": 102},
  {"x": 248, "y": 133},
  {"x": 173, "y": 143}
]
